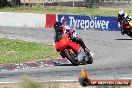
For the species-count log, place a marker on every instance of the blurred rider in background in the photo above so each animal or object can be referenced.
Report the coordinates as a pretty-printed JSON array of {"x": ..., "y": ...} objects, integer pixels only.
[{"x": 123, "y": 21}]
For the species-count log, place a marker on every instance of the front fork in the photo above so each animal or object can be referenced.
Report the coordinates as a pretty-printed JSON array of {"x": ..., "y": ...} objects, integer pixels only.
[{"x": 62, "y": 54}]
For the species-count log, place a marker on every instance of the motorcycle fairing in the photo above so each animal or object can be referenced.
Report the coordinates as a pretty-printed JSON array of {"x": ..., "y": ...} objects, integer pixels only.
[
  {"x": 130, "y": 23},
  {"x": 66, "y": 42}
]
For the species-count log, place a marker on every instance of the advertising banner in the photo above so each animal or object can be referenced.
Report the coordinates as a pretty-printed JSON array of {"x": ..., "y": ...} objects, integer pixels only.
[{"x": 90, "y": 22}]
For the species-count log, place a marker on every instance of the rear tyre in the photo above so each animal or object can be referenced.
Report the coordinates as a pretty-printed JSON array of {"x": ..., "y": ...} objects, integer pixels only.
[{"x": 72, "y": 60}]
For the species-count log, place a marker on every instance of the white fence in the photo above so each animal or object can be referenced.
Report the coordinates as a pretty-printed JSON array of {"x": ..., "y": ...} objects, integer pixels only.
[
  {"x": 115, "y": 1},
  {"x": 22, "y": 19}
]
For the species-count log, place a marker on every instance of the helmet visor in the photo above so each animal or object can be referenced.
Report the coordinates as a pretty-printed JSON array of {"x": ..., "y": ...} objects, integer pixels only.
[{"x": 58, "y": 28}]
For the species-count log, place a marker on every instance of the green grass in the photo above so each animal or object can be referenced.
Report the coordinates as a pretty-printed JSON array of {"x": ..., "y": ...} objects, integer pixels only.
[
  {"x": 66, "y": 10},
  {"x": 30, "y": 83},
  {"x": 17, "y": 51}
]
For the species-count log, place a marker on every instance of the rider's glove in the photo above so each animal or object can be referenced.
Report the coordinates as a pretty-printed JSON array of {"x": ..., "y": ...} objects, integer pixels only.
[{"x": 74, "y": 34}]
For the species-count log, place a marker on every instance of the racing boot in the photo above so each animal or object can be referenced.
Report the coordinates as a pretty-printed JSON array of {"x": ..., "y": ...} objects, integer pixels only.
[
  {"x": 122, "y": 32},
  {"x": 86, "y": 50}
]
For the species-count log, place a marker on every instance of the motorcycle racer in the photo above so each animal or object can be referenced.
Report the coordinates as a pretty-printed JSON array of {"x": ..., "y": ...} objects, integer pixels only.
[
  {"x": 62, "y": 29},
  {"x": 123, "y": 21}
]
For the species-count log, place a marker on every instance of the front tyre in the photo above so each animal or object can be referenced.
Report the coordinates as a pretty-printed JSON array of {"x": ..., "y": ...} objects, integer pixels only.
[
  {"x": 72, "y": 60},
  {"x": 90, "y": 58},
  {"x": 131, "y": 35}
]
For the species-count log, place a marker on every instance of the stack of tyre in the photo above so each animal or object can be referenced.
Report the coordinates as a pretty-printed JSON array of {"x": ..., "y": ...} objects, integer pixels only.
[
  {"x": 9, "y": 2},
  {"x": 14, "y": 2},
  {"x": 3, "y": 3}
]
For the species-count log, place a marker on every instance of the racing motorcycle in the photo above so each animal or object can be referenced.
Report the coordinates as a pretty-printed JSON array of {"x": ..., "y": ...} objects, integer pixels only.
[
  {"x": 127, "y": 27},
  {"x": 72, "y": 51}
]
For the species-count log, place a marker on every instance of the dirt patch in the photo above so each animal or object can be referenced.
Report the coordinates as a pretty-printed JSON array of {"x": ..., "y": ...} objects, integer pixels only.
[{"x": 9, "y": 86}]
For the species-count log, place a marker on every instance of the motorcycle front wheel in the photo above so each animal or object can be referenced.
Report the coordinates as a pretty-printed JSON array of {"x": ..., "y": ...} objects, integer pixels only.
[
  {"x": 131, "y": 35},
  {"x": 90, "y": 61}
]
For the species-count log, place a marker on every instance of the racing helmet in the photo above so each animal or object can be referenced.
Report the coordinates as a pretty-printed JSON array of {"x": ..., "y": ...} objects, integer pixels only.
[
  {"x": 58, "y": 26},
  {"x": 122, "y": 14}
]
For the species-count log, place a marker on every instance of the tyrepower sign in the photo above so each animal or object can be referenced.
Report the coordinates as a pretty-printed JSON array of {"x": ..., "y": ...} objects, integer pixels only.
[{"x": 90, "y": 22}]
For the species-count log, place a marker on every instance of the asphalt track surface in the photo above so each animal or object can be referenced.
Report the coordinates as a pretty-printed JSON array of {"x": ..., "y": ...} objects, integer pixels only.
[{"x": 112, "y": 60}]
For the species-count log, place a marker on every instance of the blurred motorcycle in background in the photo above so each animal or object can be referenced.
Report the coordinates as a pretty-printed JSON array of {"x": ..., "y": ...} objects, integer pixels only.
[{"x": 125, "y": 23}]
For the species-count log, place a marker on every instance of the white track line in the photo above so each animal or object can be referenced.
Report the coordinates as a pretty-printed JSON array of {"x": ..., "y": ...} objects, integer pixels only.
[
  {"x": 58, "y": 81},
  {"x": 43, "y": 81}
]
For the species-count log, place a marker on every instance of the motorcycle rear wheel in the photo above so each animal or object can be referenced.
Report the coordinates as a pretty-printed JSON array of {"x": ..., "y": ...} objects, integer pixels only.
[{"x": 72, "y": 60}]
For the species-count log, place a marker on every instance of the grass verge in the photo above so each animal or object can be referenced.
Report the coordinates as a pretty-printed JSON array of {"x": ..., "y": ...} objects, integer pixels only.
[
  {"x": 105, "y": 11},
  {"x": 30, "y": 83},
  {"x": 17, "y": 51}
]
